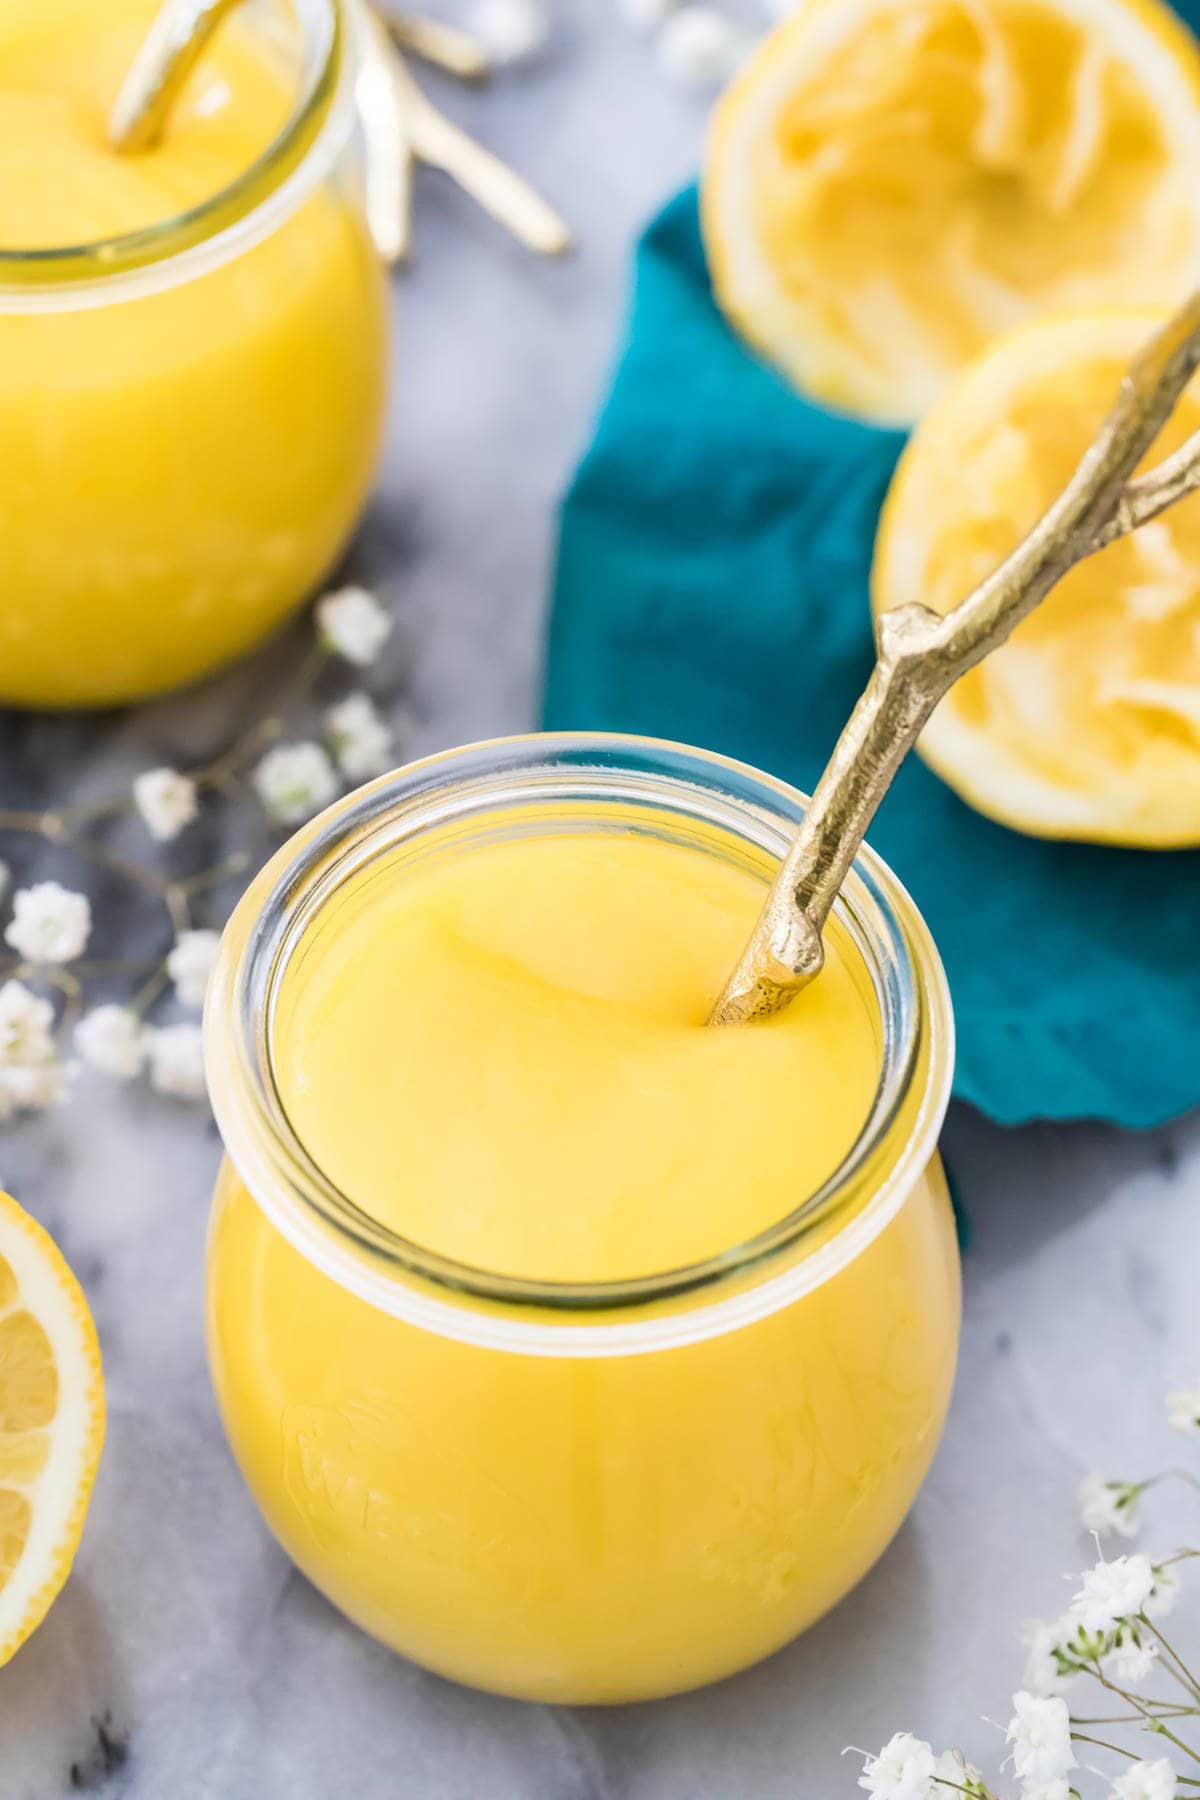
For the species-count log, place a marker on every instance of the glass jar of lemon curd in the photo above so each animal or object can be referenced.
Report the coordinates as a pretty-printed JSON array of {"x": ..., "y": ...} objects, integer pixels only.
[
  {"x": 576, "y": 1349},
  {"x": 193, "y": 345}
]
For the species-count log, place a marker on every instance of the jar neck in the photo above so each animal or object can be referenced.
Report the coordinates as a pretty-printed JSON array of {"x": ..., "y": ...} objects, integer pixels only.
[
  {"x": 542, "y": 784},
  {"x": 77, "y": 277}
]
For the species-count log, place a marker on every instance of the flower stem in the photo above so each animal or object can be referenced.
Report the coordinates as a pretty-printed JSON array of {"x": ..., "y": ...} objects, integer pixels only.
[
  {"x": 1176, "y": 1665},
  {"x": 1152, "y": 1720}
]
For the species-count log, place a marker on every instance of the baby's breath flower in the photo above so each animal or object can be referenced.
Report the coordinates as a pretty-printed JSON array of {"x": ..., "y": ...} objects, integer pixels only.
[
  {"x": 1108, "y": 1506},
  {"x": 903, "y": 1770},
  {"x": 50, "y": 924},
  {"x": 957, "y": 1775},
  {"x": 167, "y": 802},
  {"x": 1112, "y": 1591},
  {"x": 1164, "y": 1593},
  {"x": 1183, "y": 1408},
  {"x": 176, "y": 1055},
  {"x": 511, "y": 31},
  {"x": 699, "y": 46},
  {"x": 352, "y": 623},
  {"x": 190, "y": 964},
  {"x": 110, "y": 1039},
  {"x": 293, "y": 781},
  {"x": 1146, "y": 1781},
  {"x": 360, "y": 740},
  {"x": 30, "y": 1087},
  {"x": 1131, "y": 1662},
  {"x": 26, "y": 1026},
  {"x": 1040, "y": 1734},
  {"x": 1049, "y": 1663}
]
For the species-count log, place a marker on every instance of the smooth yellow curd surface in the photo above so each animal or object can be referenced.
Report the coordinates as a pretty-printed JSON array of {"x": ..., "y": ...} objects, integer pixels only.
[
  {"x": 179, "y": 468},
  {"x": 504, "y": 1057}
]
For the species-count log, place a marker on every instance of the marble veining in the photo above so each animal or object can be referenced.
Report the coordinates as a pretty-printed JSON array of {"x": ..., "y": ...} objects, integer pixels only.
[{"x": 186, "y": 1660}]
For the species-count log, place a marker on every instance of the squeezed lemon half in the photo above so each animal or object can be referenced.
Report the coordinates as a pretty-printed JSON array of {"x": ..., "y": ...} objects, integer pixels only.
[
  {"x": 890, "y": 184},
  {"x": 51, "y": 1422},
  {"x": 1086, "y": 724}
]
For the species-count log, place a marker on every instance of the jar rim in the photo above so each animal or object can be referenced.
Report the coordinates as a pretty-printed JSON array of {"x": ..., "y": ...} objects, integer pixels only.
[
  {"x": 406, "y": 1278},
  {"x": 237, "y": 215}
]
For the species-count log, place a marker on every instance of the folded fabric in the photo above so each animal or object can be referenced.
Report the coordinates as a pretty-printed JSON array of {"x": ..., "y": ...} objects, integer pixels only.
[{"x": 711, "y": 586}]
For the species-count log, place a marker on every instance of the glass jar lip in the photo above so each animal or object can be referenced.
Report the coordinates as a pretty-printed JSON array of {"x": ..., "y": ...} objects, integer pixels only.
[
  {"x": 555, "y": 1317},
  {"x": 233, "y": 218}
]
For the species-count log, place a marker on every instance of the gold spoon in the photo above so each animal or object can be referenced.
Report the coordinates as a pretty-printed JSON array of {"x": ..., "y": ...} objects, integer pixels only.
[
  {"x": 398, "y": 121},
  {"x": 176, "y": 39},
  {"x": 922, "y": 654},
  {"x": 446, "y": 46}
]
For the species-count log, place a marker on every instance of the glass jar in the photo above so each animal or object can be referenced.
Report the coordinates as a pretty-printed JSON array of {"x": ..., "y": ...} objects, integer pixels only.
[
  {"x": 562, "y": 1491},
  {"x": 190, "y": 414}
]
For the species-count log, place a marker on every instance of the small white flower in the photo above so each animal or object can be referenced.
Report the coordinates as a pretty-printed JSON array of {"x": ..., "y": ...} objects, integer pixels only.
[
  {"x": 699, "y": 47},
  {"x": 1040, "y": 1734},
  {"x": 1132, "y": 1663},
  {"x": 1113, "y": 1590},
  {"x": 953, "y": 1768},
  {"x": 511, "y": 31},
  {"x": 167, "y": 802},
  {"x": 1146, "y": 1781},
  {"x": 360, "y": 739},
  {"x": 1183, "y": 1408},
  {"x": 353, "y": 623},
  {"x": 26, "y": 1026},
  {"x": 190, "y": 964},
  {"x": 50, "y": 924},
  {"x": 903, "y": 1770},
  {"x": 293, "y": 781},
  {"x": 1108, "y": 1506},
  {"x": 1043, "y": 1673},
  {"x": 109, "y": 1038},
  {"x": 1058, "y": 1789},
  {"x": 1164, "y": 1593},
  {"x": 176, "y": 1055},
  {"x": 31, "y": 1087}
]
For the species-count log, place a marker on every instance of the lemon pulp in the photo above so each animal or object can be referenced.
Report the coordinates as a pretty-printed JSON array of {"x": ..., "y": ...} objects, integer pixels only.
[{"x": 891, "y": 183}]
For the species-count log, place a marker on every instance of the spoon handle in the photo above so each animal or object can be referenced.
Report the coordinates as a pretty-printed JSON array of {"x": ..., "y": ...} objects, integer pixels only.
[
  {"x": 923, "y": 653},
  {"x": 165, "y": 58},
  {"x": 503, "y": 193},
  {"x": 383, "y": 107}
]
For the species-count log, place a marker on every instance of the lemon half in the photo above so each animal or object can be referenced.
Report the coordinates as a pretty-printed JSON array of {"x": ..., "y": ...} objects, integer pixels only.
[
  {"x": 1086, "y": 724},
  {"x": 51, "y": 1423},
  {"x": 890, "y": 184}
]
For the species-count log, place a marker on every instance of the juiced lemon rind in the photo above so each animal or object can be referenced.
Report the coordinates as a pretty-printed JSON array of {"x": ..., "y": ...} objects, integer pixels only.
[
  {"x": 897, "y": 381},
  {"x": 59, "y": 1496},
  {"x": 1154, "y": 802}
]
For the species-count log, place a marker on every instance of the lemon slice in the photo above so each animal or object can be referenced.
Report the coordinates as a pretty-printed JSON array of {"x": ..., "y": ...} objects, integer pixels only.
[
  {"x": 51, "y": 1423},
  {"x": 1086, "y": 724},
  {"x": 890, "y": 184}
]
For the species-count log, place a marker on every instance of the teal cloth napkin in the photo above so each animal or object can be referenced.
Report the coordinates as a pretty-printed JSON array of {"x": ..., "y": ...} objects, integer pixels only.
[{"x": 711, "y": 586}]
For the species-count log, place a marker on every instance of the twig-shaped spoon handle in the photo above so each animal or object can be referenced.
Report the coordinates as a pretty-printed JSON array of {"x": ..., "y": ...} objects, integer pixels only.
[
  {"x": 166, "y": 57},
  {"x": 503, "y": 193},
  {"x": 922, "y": 654},
  {"x": 384, "y": 110},
  {"x": 434, "y": 41}
]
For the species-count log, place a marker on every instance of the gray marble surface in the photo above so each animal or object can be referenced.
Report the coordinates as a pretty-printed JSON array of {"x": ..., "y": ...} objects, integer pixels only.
[{"x": 186, "y": 1661}]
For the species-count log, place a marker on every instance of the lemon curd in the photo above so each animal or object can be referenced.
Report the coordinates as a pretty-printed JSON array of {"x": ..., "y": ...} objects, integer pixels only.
[
  {"x": 573, "y": 1347},
  {"x": 192, "y": 347}
]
